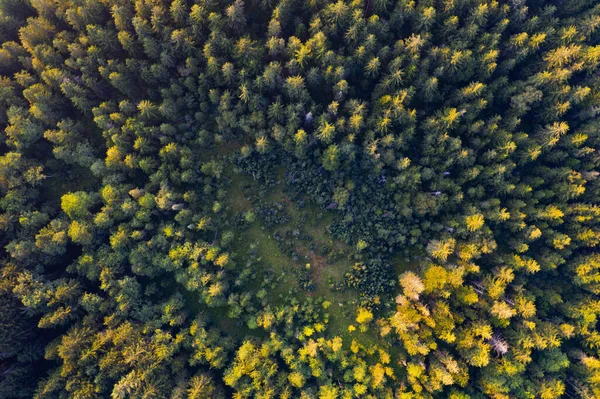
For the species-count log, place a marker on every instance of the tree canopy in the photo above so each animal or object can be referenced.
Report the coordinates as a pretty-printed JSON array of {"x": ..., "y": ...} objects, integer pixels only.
[{"x": 300, "y": 199}]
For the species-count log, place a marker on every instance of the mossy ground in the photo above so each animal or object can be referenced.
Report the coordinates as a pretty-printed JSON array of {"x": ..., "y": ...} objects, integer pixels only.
[{"x": 302, "y": 246}]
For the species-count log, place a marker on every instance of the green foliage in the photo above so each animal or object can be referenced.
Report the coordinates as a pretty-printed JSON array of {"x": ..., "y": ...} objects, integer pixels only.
[
  {"x": 300, "y": 199},
  {"x": 76, "y": 205}
]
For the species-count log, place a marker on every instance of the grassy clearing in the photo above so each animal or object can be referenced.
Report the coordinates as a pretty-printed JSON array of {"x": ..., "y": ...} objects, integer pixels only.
[
  {"x": 237, "y": 195},
  {"x": 257, "y": 239},
  {"x": 307, "y": 234},
  {"x": 272, "y": 259},
  {"x": 310, "y": 223}
]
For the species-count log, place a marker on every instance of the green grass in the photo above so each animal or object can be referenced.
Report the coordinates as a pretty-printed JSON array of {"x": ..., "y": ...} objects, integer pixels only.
[
  {"x": 236, "y": 193},
  {"x": 313, "y": 223},
  {"x": 271, "y": 258}
]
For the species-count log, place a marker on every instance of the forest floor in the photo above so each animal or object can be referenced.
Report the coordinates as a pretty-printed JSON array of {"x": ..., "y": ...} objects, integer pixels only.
[{"x": 300, "y": 253}]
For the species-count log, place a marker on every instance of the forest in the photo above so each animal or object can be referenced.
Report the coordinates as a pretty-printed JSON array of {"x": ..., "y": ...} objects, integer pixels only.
[{"x": 313, "y": 199}]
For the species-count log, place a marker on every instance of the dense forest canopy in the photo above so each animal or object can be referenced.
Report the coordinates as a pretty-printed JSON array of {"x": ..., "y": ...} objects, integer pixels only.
[{"x": 300, "y": 199}]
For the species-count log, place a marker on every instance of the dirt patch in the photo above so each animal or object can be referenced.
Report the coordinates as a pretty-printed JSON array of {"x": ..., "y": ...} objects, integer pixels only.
[
  {"x": 317, "y": 263},
  {"x": 229, "y": 147},
  {"x": 237, "y": 193},
  {"x": 240, "y": 203}
]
